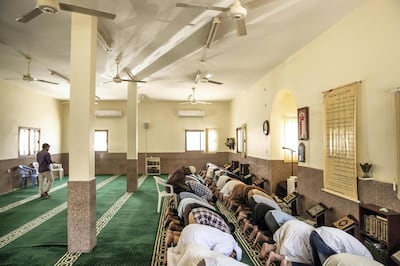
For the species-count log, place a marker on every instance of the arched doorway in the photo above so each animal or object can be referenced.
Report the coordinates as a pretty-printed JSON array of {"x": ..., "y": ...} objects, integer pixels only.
[{"x": 283, "y": 134}]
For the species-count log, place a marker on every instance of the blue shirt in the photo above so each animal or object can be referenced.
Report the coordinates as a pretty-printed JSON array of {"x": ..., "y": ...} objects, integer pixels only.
[{"x": 44, "y": 159}]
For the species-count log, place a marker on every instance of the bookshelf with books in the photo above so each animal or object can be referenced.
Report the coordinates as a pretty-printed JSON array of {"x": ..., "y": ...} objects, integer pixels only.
[
  {"x": 153, "y": 165},
  {"x": 380, "y": 231}
]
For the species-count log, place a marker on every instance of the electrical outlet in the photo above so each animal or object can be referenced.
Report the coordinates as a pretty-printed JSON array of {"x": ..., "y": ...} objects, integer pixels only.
[{"x": 9, "y": 171}]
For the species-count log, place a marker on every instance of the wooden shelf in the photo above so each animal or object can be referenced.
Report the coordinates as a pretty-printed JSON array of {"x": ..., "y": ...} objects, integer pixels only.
[
  {"x": 380, "y": 231},
  {"x": 153, "y": 165}
]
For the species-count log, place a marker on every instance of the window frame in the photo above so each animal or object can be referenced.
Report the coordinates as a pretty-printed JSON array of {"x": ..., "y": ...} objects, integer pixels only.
[
  {"x": 202, "y": 140},
  {"x": 239, "y": 142},
  {"x": 107, "y": 138},
  {"x": 31, "y": 134}
]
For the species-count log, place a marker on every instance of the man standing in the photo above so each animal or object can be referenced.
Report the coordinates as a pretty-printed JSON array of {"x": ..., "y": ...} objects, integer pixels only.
[{"x": 44, "y": 159}]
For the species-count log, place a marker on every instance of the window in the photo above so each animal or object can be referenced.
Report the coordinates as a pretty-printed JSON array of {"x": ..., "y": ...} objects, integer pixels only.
[
  {"x": 239, "y": 137},
  {"x": 29, "y": 141},
  {"x": 101, "y": 140},
  {"x": 194, "y": 140},
  {"x": 290, "y": 137}
]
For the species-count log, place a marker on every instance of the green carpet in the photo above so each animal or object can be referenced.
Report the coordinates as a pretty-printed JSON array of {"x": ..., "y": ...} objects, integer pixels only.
[
  {"x": 127, "y": 239},
  {"x": 128, "y": 228},
  {"x": 133, "y": 228}
]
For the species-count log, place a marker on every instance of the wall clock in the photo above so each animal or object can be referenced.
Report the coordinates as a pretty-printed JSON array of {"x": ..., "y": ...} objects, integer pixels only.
[{"x": 266, "y": 127}]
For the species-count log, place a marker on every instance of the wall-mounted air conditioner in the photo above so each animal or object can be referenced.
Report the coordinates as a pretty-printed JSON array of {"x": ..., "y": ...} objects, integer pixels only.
[
  {"x": 108, "y": 113},
  {"x": 191, "y": 113}
]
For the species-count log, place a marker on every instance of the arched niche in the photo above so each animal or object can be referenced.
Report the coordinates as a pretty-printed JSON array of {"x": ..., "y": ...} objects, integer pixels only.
[{"x": 284, "y": 104}]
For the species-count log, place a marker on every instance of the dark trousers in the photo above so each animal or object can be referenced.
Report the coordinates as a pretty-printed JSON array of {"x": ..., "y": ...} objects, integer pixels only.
[
  {"x": 258, "y": 214},
  {"x": 320, "y": 250}
]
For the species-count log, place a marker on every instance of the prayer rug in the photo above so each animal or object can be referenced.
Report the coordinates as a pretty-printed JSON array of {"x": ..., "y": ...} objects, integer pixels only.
[
  {"x": 241, "y": 237},
  {"x": 250, "y": 254},
  {"x": 160, "y": 251}
]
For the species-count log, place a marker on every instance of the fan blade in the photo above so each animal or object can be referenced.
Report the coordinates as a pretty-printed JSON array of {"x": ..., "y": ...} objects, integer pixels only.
[
  {"x": 131, "y": 80},
  {"x": 197, "y": 77},
  {"x": 86, "y": 11},
  {"x": 105, "y": 82},
  {"x": 241, "y": 27},
  {"x": 46, "y": 81},
  {"x": 217, "y": 8},
  {"x": 11, "y": 78},
  {"x": 215, "y": 82},
  {"x": 29, "y": 16},
  {"x": 200, "y": 102}
]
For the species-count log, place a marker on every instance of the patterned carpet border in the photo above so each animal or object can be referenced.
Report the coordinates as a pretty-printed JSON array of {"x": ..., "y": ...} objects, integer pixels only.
[
  {"x": 159, "y": 251},
  {"x": 241, "y": 237}
]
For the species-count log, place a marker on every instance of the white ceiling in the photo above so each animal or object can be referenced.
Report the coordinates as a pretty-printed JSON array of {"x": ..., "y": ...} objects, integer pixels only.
[{"x": 164, "y": 44}]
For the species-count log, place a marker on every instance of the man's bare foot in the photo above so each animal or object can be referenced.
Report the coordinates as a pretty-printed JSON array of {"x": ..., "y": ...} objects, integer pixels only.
[
  {"x": 242, "y": 215},
  {"x": 254, "y": 232},
  {"x": 169, "y": 238},
  {"x": 243, "y": 223},
  {"x": 173, "y": 226},
  {"x": 266, "y": 249},
  {"x": 247, "y": 225},
  {"x": 260, "y": 237}
]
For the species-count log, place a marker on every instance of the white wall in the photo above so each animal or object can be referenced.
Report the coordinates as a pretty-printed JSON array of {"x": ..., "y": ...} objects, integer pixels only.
[
  {"x": 21, "y": 107},
  {"x": 363, "y": 46},
  {"x": 166, "y": 132}
]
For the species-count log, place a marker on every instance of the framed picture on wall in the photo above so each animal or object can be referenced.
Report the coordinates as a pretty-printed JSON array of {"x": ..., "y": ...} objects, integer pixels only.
[
  {"x": 302, "y": 123},
  {"x": 301, "y": 153}
]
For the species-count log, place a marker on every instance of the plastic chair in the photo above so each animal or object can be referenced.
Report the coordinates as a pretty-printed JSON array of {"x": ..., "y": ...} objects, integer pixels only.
[
  {"x": 57, "y": 167},
  {"x": 28, "y": 172},
  {"x": 162, "y": 192}
]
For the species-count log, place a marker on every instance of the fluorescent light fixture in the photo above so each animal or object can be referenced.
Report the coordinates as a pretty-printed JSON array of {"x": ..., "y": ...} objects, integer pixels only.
[
  {"x": 104, "y": 40},
  {"x": 55, "y": 73},
  {"x": 213, "y": 32}
]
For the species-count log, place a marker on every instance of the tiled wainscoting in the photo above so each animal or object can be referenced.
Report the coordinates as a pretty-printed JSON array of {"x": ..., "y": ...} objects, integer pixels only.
[
  {"x": 10, "y": 180},
  {"x": 310, "y": 184},
  {"x": 310, "y": 181}
]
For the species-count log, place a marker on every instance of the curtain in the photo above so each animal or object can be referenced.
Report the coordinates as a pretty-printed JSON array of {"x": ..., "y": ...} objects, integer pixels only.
[
  {"x": 211, "y": 140},
  {"x": 397, "y": 149}
]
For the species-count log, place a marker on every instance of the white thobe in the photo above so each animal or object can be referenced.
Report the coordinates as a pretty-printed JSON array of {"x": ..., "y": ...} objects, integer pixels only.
[
  {"x": 210, "y": 237},
  {"x": 342, "y": 242},
  {"x": 293, "y": 241}
]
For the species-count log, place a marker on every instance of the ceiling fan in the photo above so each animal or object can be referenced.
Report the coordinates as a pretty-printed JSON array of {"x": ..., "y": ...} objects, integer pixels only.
[
  {"x": 117, "y": 78},
  {"x": 28, "y": 77},
  {"x": 53, "y": 6},
  {"x": 236, "y": 12},
  {"x": 204, "y": 78},
  {"x": 192, "y": 99}
]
